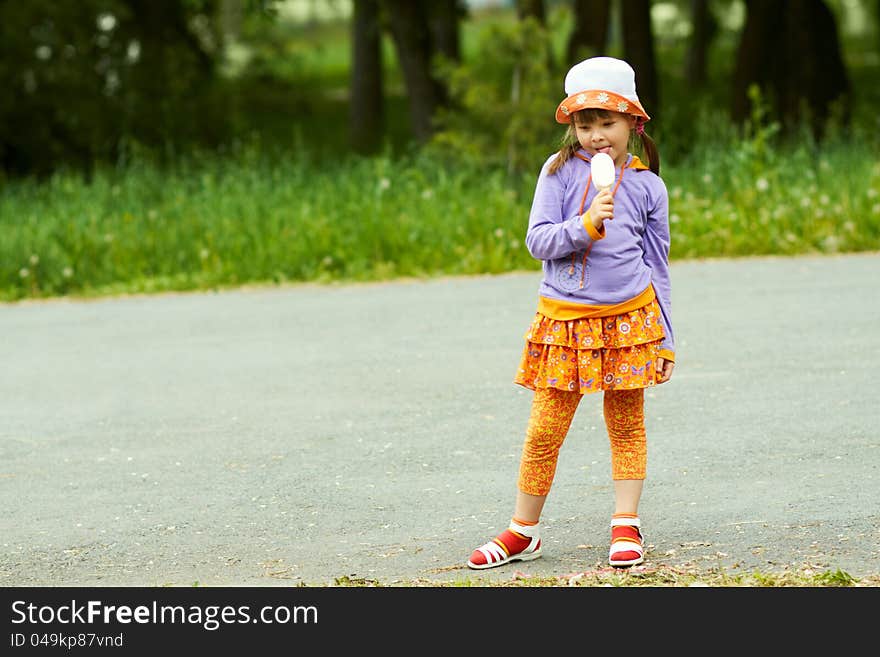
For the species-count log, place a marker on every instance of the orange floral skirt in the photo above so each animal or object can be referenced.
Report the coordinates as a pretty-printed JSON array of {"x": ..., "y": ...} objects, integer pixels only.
[{"x": 589, "y": 354}]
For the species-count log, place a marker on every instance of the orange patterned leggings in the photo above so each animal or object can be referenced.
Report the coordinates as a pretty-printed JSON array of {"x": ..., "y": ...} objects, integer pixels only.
[{"x": 550, "y": 419}]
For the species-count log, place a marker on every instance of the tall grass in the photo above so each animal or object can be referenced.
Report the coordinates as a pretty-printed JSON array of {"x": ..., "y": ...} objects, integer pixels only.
[
  {"x": 243, "y": 218},
  {"x": 757, "y": 194},
  {"x": 247, "y": 217}
]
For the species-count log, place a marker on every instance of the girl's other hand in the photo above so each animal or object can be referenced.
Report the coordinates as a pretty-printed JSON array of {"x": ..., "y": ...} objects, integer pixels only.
[
  {"x": 664, "y": 370},
  {"x": 602, "y": 208}
]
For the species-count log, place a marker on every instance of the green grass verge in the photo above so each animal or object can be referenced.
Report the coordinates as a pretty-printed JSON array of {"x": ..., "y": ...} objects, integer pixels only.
[
  {"x": 247, "y": 216},
  {"x": 665, "y": 576}
]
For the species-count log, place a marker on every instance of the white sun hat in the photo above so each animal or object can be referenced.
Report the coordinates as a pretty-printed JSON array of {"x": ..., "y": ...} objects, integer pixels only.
[{"x": 601, "y": 83}]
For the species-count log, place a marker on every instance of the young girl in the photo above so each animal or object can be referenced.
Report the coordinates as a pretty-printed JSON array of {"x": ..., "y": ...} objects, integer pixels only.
[{"x": 603, "y": 319}]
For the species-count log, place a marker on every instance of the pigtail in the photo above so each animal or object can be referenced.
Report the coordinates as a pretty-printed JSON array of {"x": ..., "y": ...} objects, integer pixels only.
[
  {"x": 650, "y": 150},
  {"x": 570, "y": 146}
]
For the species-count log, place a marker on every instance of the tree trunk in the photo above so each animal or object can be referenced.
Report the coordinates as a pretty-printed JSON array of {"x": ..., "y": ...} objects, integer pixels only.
[
  {"x": 444, "y": 17},
  {"x": 172, "y": 70},
  {"x": 163, "y": 23},
  {"x": 638, "y": 46},
  {"x": 762, "y": 23},
  {"x": 366, "y": 110},
  {"x": 589, "y": 36},
  {"x": 705, "y": 29},
  {"x": 408, "y": 24},
  {"x": 791, "y": 50}
]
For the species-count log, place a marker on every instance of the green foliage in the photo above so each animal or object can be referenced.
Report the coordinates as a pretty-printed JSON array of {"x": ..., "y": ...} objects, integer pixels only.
[
  {"x": 749, "y": 190},
  {"x": 836, "y": 578},
  {"x": 644, "y": 576},
  {"x": 82, "y": 78},
  {"x": 502, "y": 98},
  {"x": 244, "y": 217},
  {"x": 255, "y": 215},
  {"x": 758, "y": 131},
  {"x": 284, "y": 201}
]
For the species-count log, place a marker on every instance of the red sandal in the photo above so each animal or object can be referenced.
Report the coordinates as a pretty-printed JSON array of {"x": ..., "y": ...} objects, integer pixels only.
[
  {"x": 502, "y": 550},
  {"x": 626, "y": 542}
]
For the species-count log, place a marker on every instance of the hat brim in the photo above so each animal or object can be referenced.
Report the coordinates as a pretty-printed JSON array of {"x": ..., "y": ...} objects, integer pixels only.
[{"x": 599, "y": 99}]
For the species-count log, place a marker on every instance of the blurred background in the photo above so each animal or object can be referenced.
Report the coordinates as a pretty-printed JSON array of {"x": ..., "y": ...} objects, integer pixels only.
[{"x": 151, "y": 145}]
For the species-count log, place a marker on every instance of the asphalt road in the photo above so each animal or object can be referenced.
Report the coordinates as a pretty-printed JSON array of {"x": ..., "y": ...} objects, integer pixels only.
[{"x": 295, "y": 435}]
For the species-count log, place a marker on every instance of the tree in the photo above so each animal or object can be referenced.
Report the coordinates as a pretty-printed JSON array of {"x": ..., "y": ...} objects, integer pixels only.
[
  {"x": 173, "y": 63},
  {"x": 86, "y": 79},
  {"x": 638, "y": 46},
  {"x": 589, "y": 36},
  {"x": 366, "y": 110},
  {"x": 705, "y": 27},
  {"x": 416, "y": 49},
  {"x": 790, "y": 49},
  {"x": 444, "y": 17}
]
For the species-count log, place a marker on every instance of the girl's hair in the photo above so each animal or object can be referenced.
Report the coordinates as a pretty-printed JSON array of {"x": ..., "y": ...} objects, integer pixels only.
[{"x": 570, "y": 144}]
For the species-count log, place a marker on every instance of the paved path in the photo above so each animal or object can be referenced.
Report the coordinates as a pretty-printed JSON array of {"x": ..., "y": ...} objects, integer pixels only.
[{"x": 277, "y": 436}]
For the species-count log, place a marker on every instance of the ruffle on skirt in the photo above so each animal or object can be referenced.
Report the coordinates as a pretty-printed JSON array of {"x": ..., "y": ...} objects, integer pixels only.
[{"x": 589, "y": 354}]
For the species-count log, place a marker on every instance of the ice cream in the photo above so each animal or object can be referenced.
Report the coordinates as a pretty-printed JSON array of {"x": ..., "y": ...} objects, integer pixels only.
[{"x": 602, "y": 167}]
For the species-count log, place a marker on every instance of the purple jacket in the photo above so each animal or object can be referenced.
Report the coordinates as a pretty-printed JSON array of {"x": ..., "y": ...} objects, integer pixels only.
[{"x": 632, "y": 255}]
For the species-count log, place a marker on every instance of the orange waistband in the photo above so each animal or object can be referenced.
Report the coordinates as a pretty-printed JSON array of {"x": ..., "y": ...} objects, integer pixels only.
[{"x": 565, "y": 310}]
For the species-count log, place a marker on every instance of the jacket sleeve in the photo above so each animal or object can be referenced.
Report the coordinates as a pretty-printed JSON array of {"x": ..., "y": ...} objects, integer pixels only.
[
  {"x": 554, "y": 231},
  {"x": 657, "y": 242}
]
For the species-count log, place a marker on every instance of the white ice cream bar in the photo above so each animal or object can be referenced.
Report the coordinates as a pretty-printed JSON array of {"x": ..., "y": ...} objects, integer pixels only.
[{"x": 602, "y": 167}]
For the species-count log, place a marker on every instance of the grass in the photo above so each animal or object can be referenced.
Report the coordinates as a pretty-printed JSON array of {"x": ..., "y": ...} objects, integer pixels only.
[
  {"x": 645, "y": 576},
  {"x": 251, "y": 216}
]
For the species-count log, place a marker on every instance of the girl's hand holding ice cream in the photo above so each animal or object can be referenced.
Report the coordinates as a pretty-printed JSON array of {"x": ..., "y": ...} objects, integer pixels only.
[{"x": 602, "y": 208}]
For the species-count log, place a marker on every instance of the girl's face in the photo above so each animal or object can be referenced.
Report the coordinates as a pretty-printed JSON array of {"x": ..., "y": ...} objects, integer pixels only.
[{"x": 604, "y": 131}]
